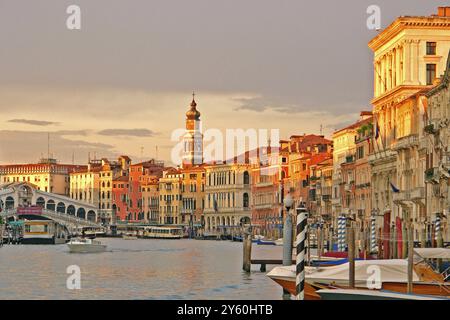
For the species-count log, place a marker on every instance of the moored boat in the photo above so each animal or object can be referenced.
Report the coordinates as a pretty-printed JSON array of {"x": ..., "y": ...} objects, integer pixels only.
[
  {"x": 265, "y": 242},
  {"x": 393, "y": 275},
  {"x": 361, "y": 294},
  {"x": 85, "y": 245},
  {"x": 154, "y": 232},
  {"x": 129, "y": 236}
]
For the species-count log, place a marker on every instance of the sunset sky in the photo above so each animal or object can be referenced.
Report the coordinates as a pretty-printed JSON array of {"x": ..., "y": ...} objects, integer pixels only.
[{"x": 124, "y": 81}]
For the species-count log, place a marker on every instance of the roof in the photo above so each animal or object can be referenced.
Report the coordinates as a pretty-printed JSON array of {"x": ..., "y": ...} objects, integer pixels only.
[
  {"x": 355, "y": 125},
  {"x": 403, "y": 22},
  {"x": 121, "y": 178}
]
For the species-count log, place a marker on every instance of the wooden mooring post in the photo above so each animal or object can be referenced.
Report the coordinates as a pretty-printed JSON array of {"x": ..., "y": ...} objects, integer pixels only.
[
  {"x": 351, "y": 256},
  {"x": 410, "y": 257}
]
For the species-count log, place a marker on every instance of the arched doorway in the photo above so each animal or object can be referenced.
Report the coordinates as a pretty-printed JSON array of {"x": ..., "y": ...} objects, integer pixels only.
[
  {"x": 9, "y": 203},
  {"x": 61, "y": 207},
  {"x": 40, "y": 202},
  {"x": 81, "y": 213},
  {"x": 91, "y": 216},
  {"x": 51, "y": 205},
  {"x": 71, "y": 210}
]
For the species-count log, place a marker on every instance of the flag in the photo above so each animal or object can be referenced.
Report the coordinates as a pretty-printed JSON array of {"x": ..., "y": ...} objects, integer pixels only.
[
  {"x": 394, "y": 189},
  {"x": 377, "y": 130}
]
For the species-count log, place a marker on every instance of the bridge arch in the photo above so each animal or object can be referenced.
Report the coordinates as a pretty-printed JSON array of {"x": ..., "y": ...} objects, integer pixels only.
[
  {"x": 51, "y": 205},
  {"x": 71, "y": 210},
  {"x": 61, "y": 207},
  {"x": 40, "y": 202},
  {"x": 81, "y": 213}
]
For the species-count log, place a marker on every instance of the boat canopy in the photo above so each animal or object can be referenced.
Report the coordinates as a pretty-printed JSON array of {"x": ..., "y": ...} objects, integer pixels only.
[
  {"x": 433, "y": 253},
  {"x": 394, "y": 270}
]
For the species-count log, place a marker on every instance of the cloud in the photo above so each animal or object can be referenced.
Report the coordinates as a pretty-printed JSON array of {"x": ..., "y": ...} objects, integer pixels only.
[
  {"x": 12, "y": 148},
  {"x": 128, "y": 132},
  {"x": 261, "y": 104},
  {"x": 33, "y": 122}
]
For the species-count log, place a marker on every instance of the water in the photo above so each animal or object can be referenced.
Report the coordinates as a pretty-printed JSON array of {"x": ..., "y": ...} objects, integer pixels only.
[{"x": 137, "y": 269}]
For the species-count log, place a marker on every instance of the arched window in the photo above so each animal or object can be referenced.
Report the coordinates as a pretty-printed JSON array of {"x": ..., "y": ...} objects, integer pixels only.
[
  {"x": 246, "y": 177},
  {"x": 245, "y": 200}
]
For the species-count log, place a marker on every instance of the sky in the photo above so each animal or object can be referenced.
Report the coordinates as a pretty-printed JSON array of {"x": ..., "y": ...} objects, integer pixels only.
[{"x": 122, "y": 84}]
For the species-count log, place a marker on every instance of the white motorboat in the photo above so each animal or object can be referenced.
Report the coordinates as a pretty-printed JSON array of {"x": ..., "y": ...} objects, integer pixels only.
[
  {"x": 83, "y": 245},
  {"x": 129, "y": 236},
  {"x": 279, "y": 242}
]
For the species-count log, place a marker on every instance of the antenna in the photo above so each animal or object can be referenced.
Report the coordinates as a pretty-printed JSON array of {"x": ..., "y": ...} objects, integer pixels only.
[
  {"x": 48, "y": 145},
  {"x": 321, "y": 130},
  {"x": 156, "y": 152},
  {"x": 142, "y": 152}
]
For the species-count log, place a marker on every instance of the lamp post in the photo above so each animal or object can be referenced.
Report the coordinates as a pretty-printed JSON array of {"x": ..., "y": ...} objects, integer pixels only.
[{"x": 287, "y": 237}]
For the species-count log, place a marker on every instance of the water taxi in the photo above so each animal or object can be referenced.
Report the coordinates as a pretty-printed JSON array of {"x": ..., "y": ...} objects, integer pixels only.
[
  {"x": 163, "y": 232},
  {"x": 86, "y": 245}
]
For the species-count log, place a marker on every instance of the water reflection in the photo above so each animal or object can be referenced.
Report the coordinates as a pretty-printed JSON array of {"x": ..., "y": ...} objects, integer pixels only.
[{"x": 136, "y": 269}]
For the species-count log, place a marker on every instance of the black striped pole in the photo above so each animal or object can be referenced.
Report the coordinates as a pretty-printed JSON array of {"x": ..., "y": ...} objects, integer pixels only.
[{"x": 300, "y": 259}]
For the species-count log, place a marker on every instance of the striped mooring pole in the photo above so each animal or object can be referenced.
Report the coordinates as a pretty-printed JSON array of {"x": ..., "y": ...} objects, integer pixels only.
[
  {"x": 341, "y": 233},
  {"x": 300, "y": 258},
  {"x": 437, "y": 228},
  {"x": 373, "y": 235}
]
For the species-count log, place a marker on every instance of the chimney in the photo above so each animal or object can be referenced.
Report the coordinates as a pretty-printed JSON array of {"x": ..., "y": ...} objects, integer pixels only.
[{"x": 443, "y": 12}]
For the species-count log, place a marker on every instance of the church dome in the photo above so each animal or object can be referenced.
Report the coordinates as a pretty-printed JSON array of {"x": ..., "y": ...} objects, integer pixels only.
[{"x": 193, "y": 113}]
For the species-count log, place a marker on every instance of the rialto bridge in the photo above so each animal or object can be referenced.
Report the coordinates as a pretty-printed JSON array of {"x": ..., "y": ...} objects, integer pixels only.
[{"x": 62, "y": 209}]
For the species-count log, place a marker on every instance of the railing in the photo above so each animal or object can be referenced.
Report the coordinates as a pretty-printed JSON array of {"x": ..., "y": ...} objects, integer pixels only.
[{"x": 406, "y": 142}]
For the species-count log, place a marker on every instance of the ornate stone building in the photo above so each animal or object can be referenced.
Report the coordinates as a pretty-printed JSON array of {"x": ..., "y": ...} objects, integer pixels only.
[
  {"x": 227, "y": 195},
  {"x": 437, "y": 138},
  {"x": 408, "y": 56}
]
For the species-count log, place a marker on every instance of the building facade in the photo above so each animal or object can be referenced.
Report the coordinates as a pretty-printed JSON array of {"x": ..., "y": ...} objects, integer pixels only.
[{"x": 408, "y": 56}]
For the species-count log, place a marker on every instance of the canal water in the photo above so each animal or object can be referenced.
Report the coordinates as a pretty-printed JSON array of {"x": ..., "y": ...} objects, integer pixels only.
[{"x": 137, "y": 269}]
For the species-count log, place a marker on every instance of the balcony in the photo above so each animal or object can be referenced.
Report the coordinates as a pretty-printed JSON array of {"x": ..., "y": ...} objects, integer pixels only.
[
  {"x": 401, "y": 197},
  {"x": 418, "y": 193},
  {"x": 406, "y": 142},
  {"x": 326, "y": 197},
  {"x": 432, "y": 175},
  {"x": 382, "y": 156},
  {"x": 423, "y": 144}
]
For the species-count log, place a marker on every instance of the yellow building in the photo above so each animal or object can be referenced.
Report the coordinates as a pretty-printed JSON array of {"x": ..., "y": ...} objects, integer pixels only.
[
  {"x": 47, "y": 175},
  {"x": 170, "y": 203},
  {"x": 193, "y": 193},
  {"x": 150, "y": 199},
  {"x": 408, "y": 56}
]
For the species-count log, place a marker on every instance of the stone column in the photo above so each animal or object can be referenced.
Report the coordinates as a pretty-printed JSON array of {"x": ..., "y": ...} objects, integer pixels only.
[
  {"x": 415, "y": 61},
  {"x": 407, "y": 62}
]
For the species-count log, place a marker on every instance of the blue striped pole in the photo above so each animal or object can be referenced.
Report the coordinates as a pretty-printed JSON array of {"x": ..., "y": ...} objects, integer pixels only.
[
  {"x": 437, "y": 227},
  {"x": 300, "y": 258}
]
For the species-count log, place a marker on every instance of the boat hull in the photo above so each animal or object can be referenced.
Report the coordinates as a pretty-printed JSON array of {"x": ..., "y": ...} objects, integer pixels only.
[
  {"x": 418, "y": 288},
  {"x": 82, "y": 248}
]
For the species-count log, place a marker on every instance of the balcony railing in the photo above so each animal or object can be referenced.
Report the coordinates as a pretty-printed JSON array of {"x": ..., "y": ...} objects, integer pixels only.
[
  {"x": 418, "y": 193},
  {"x": 406, "y": 142}
]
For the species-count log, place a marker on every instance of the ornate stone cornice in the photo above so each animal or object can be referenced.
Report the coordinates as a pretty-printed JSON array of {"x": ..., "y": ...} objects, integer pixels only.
[{"x": 408, "y": 22}]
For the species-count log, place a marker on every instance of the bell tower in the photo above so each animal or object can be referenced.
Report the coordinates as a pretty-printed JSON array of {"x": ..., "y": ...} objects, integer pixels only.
[{"x": 193, "y": 138}]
